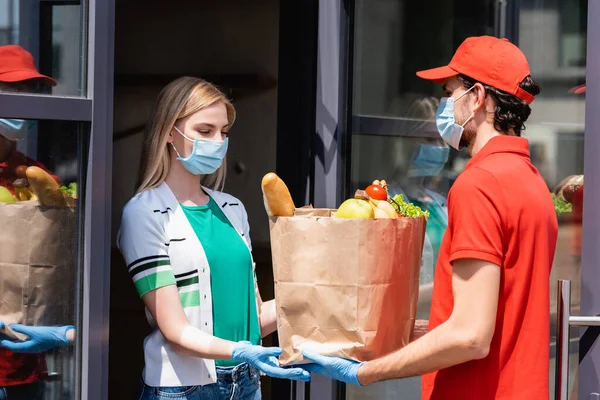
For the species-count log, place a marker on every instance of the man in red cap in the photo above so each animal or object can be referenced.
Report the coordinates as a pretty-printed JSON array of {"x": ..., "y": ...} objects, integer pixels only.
[
  {"x": 22, "y": 363},
  {"x": 490, "y": 314},
  {"x": 17, "y": 74}
]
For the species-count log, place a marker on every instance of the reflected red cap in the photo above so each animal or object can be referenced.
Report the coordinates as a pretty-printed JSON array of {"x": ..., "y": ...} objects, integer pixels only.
[
  {"x": 16, "y": 65},
  {"x": 578, "y": 89},
  {"x": 487, "y": 59}
]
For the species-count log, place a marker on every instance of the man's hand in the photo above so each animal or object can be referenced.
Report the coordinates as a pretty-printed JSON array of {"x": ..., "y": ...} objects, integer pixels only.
[
  {"x": 265, "y": 359},
  {"x": 40, "y": 339},
  {"x": 333, "y": 367}
]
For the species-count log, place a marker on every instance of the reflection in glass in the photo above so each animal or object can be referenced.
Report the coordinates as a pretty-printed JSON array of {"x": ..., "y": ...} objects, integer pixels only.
[
  {"x": 18, "y": 73},
  {"x": 40, "y": 242},
  {"x": 51, "y": 34},
  {"x": 394, "y": 39},
  {"x": 412, "y": 167}
]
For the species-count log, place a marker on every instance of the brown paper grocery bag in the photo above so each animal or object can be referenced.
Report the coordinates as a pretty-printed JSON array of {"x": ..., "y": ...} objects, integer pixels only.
[
  {"x": 38, "y": 251},
  {"x": 345, "y": 287}
]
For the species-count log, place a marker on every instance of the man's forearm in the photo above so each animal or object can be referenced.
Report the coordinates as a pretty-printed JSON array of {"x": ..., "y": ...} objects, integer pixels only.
[{"x": 440, "y": 348}]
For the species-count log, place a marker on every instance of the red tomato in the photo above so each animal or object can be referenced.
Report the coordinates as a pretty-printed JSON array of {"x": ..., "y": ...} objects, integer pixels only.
[{"x": 377, "y": 192}]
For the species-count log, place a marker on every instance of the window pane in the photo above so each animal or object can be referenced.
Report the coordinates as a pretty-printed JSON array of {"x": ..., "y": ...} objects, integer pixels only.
[
  {"x": 394, "y": 116},
  {"x": 50, "y": 55},
  {"x": 41, "y": 212}
]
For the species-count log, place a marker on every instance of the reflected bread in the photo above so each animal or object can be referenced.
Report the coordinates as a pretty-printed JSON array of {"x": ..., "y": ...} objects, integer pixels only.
[{"x": 45, "y": 187}]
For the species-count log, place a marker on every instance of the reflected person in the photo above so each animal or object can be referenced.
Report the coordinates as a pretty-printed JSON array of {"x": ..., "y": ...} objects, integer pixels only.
[{"x": 22, "y": 363}]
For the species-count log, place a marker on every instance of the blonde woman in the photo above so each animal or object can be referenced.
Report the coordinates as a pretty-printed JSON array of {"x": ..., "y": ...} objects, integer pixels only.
[{"x": 188, "y": 251}]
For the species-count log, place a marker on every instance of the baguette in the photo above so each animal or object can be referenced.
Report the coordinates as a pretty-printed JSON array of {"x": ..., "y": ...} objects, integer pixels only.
[
  {"x": 45, "y": 188},
  {"x": 277, "y": 197}
]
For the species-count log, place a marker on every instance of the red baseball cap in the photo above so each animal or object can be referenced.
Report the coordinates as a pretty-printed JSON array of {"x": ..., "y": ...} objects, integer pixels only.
[
  {"x": 16, "y": 65},
  {"x": 578, "y": 89},
  {"x": 487, "y": 59}
]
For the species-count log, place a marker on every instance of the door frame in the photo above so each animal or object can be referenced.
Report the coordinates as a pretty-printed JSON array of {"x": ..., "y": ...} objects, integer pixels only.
[
  {"x": 589, "y": 367},
  {"x": 97, "y": 248},
  {"x": 314, "y": 71}
]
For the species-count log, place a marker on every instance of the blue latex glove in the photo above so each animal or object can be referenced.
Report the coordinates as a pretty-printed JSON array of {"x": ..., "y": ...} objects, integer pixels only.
[
  {"x": 333, "y": 367},
  {"x": 265, "y": 360},
  {"x": 40, "y": 338}
]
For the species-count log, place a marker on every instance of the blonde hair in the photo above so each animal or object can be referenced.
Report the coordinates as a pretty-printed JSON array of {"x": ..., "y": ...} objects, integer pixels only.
[{"x": 179, "y": 99}]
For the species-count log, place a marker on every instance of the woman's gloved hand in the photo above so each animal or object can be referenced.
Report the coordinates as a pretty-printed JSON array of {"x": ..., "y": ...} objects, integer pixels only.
[
  {"x": 40, "y": 339},
  {"x": 265, "y": 360}
]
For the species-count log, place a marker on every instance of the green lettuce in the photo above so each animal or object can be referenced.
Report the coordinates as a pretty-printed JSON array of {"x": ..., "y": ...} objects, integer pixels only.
[
  {"x": 407, "y": 209},
  {"x": 70, "y": 190},
  {"x": 561, "y": 205}
]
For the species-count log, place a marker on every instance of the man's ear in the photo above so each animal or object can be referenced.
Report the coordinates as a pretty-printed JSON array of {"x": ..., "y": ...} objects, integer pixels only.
[{"x": 480, "y": 95}]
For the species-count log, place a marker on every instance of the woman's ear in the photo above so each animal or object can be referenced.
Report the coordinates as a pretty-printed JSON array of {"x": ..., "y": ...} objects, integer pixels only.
[{"x": 170, "y": 136}]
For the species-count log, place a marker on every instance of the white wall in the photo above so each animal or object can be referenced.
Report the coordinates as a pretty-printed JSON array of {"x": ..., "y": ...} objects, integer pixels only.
[{"x": 200, "y": 38}]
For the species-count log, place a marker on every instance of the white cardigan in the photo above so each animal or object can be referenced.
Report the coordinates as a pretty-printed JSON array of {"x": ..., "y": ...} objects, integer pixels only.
[{"x": 161, "y": 248}]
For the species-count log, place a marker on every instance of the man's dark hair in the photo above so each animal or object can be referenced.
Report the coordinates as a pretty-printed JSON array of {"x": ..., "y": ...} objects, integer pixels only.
[
  {"x": 35, "y": 85},
  {"x": 511, "y": 112}
]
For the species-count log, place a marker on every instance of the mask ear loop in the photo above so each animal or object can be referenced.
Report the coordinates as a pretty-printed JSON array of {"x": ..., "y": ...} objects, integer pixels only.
[
  {"x": 176, "y": 152},
  {"x": 473, "y": 114},
  {"x": 458, "y": 98},
  {"x": 184, "y": 136},
  {"x": 195, "y": 141},
  {"x": 467, "y": 121},
  {"x": 185, "y": 158}
]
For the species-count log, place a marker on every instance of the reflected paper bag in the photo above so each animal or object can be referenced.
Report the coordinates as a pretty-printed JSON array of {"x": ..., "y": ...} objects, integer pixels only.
[
  {"x": 37, "y": 264},
  {"x": 345, "y": 287}
]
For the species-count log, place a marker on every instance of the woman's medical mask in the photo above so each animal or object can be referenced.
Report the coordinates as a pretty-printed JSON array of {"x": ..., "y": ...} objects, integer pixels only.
[
  {"x": 206, "y": 157},
  {"x": 449, "y": 130},
  {"x": 12, "y": 129},
  {"x": 429, "y": 160}
]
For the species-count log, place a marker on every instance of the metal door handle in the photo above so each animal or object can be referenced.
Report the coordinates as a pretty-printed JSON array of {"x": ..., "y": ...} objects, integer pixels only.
[
  {"x": 563, "y": 316},
  {"x": 576, "y": 320},
  {"x": 564, "y": 321}
]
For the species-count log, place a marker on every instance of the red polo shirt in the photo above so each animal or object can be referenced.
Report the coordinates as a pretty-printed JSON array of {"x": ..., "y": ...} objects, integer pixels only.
[
  {"x": 21, "y": 368},
  {"x": 500, "y": 210}
]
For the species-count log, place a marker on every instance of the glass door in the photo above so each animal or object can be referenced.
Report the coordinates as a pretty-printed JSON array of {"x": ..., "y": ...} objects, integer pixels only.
[
  {"x": 56, "y": 63},
  {"x": 393, "y": 111}
]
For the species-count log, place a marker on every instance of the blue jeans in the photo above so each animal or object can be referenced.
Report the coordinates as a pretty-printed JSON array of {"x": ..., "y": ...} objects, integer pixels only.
[
  {"x": 238, "y": 383},
  {"x": 30, "y": 391}
]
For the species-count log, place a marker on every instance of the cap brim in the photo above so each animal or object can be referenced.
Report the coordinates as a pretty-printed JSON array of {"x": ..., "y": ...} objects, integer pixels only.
[
  {"x": 578, "y": 89},
  {"x": 439, "y": 74},
  {"x": 24, "y": 75}
]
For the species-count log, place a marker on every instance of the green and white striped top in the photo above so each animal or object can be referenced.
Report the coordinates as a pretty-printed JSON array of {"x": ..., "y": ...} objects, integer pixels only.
[{"x": 161, "y": 248}]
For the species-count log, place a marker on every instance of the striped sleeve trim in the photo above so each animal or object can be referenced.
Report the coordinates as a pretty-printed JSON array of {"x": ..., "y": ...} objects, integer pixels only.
[
  {"x": 150, "y": 271},
  {"x": 154, "y": 281},
  {"x": 144, "y": 260},
  {"x": 146, "y": 263}
]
